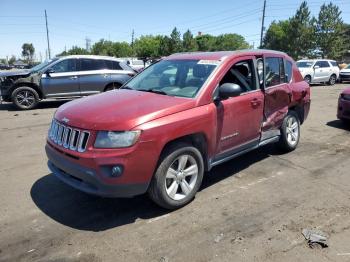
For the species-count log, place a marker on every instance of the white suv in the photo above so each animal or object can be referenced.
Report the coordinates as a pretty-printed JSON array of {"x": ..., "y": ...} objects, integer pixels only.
[{"x": 319, "y": 71}]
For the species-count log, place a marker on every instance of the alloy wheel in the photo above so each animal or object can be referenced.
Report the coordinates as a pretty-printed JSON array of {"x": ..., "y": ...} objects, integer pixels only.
[
  {"x": 25, "y": 98},
  {"x": 181, "y": 177},
  {"x": 292, "y": 131}
]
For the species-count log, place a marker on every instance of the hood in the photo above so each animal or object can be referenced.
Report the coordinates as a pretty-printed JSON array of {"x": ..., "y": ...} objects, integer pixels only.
[
  {"x": 15, "y": 73},
  {"x": 120, "y": 110},
  {"x": 345, "y": 70},
  {"x": 346, "y": 91}
]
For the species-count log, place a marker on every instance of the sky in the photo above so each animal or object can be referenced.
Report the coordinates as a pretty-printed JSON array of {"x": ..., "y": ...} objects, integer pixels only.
[{"x": 72, "y": 22}]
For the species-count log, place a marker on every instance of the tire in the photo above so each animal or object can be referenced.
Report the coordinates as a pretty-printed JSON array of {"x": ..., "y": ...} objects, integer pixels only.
[
  {"x": 290, "y": 136},
  {"x": 307, "y": 79},
  {"x": 332, "y": 80},
  {"x": 170, "y": 188},
  {"x": 112, "y": 87},
  {"x": 25, "y": 98}
]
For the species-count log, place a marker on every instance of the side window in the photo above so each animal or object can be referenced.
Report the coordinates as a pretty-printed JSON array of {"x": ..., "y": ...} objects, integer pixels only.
[
  {"x": 334, "y": 64},
  {"x": 273, "y": 71},
  {"x": 242, "y": 74},
  {"x": 92, "y": 64},
  {"x": 325, "y": 64},
  {"x": 318, "y": 63},
  {"x": 68, "y": 65},
  {"x": 289, "y": 71}
]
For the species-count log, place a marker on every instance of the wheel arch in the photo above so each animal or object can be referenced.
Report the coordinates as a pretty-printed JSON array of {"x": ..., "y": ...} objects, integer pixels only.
[
  {"x": 114, "y": 83},
  {"x": 299, "y": 110},
  {"x": 198, "y": 140}
]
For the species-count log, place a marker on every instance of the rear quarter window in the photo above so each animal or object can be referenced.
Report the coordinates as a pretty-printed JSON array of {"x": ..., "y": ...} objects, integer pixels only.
[
  {"x": 289, "y": 71},
  {"x": 334, "y": 63}
]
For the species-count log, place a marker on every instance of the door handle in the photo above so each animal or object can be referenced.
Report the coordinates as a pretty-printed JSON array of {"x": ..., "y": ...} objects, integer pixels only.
[
  {"x": 73, "y": 77},
  {"x": 255, "y": 103}
]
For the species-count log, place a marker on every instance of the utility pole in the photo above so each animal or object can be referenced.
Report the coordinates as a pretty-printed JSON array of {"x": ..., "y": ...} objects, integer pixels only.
[
  {"x": 47, "y": 36},
  {"x": 132, "y": 41},
  {"x": 88, "y": 44},
  {"x": 262, "y": 24}
]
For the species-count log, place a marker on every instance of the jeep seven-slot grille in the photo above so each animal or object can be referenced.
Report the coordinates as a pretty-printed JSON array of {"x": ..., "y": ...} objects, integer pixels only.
[{"x": 68, "y": 137}]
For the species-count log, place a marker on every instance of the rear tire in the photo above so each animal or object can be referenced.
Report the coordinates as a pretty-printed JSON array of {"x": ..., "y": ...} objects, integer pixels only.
[
  {"x": 290, "y": 132},
  {"x": 25, "y": 98},
  {"x": 178, "y": 176},
  {"x": 332, "y": 80}
]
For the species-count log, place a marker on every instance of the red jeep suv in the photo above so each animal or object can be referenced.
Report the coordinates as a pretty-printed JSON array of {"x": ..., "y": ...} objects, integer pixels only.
[{"x": 177, "y": 119}]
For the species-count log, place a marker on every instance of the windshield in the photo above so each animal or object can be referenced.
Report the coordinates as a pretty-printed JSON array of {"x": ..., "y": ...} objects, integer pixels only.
[
  {"x": 348, "y": 67},
  {"x": 42, "y": 65},
  {"x": 182, "y": 78},
  {"x": 304, "y": 64}
]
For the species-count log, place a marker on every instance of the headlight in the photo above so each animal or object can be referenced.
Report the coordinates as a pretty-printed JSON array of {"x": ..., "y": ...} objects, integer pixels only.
[
  {"x": 345, "y": 96},
  {"x": 110, "y": 139}
]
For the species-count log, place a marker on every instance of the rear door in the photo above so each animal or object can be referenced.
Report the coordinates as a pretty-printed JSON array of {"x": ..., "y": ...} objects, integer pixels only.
[
  {"x": 63, "y": 80},
  {"x": 277, "y": 94},
  {"x": 323, "y": 72},
  {"x": 241, "y": 116},
  {"x": 93, "y": 76}
]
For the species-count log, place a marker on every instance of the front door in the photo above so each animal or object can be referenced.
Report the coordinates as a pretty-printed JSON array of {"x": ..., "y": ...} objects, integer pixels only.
[
  {"x": 62, "y": 80},
  {"x": 241, "y": 116},
  {"x": 322, "y": 71}
]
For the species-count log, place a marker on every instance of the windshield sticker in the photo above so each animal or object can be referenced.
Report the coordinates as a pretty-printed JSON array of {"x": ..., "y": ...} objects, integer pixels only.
[{"x": 208, "y": 62}]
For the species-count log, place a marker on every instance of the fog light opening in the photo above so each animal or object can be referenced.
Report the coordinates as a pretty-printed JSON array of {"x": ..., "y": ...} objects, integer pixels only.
[{"x": 117, "y": 171}]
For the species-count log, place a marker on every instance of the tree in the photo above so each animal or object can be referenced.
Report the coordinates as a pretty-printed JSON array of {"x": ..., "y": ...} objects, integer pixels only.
[
  {"x": 329, "y": 31},
  {"x": 188, "y": 42},
  {"x": 165, "y": 48},
  {"x": 227, "y": 42},
  {"x": 276, "y": 37},
  {"x": 147, "y": 46},
  {"x": 205, "y": 42},
  {"x": 301, "y": 33},
  {"x": 12, "y": 60},
  {"x": 28, "y": 52},
  {"x": 175, "y": 41},
  {"x": 75, "y": 50}
]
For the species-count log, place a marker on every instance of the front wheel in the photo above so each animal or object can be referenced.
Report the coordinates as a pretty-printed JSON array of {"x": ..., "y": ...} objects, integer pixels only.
[
  {"x": 178, "y": 176},
  {"x": 290, "y": 132},
  {"x": 25, "y": 97}
]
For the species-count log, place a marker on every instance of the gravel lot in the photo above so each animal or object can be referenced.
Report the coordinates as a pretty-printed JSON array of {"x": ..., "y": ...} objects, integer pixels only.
[{"x": 252, "y": 208}]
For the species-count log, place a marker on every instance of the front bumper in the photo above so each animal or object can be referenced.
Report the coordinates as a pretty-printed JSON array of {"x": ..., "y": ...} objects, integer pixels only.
[
  {"x": 88, "y": 175},
  {"x": 343, "y": 109},
  {"x": 344, "y": 77}
]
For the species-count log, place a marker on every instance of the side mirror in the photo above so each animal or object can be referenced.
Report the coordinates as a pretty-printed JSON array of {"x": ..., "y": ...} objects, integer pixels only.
[
  {"x": 316, "y": 67},
  {"x": 229, "y": 90},
  {"x": 49, "y": 71}
]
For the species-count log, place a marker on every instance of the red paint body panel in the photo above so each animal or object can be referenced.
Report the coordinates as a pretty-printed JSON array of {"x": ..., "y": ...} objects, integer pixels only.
[{"x": 225, "y": 125}]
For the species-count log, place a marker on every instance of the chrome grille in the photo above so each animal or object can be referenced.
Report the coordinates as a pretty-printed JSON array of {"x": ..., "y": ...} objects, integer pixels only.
[{"x": 68, "y": 137}]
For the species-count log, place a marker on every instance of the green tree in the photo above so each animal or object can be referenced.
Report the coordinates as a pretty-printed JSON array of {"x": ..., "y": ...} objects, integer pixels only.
[
  {"x": 147, "y": 46},
  {"x": 121, "y": 49},
  {"x": 205, "y": 42},
  {"x": 301, "y": 33},
  {"x": 227, "y": 42},
  {"x": 165, "y": 48},
  {"x": 75, "y": 50},
  {"x": 102, "y": 47},
  {"x": 188, "y": 42},
  {"x": 175, "y": 41},
  {"x": 330, "y": 31},
  {"x": 12, "y": 60},
  {"x": 276, "y": 37},
  {"x": 28, "y": 51}
]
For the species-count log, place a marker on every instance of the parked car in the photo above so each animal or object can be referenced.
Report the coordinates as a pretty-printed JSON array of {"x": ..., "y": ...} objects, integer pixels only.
[
  {"x": 319, "y": 71},
  {"x": 345, "y": 74},
  {"x": 176, "y": 119},
  {"x": 136, "y": 64},
  {"x": 344, "y": 106},
  {"x": 64, "y": 77}
]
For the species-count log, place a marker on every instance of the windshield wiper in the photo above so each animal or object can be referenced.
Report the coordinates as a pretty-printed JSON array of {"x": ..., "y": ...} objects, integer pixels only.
[{"x": 156, "y": 91}]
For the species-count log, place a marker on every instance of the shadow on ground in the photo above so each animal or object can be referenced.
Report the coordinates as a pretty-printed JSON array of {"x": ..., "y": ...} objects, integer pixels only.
[
  {"x": 81, "y": 211},
  {"x": 41, "y": 105},
  {"x": 339, "y": 124}
]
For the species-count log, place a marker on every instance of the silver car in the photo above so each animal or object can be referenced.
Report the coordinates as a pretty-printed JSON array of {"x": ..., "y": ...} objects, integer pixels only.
[{"x": 64, "y": 77}]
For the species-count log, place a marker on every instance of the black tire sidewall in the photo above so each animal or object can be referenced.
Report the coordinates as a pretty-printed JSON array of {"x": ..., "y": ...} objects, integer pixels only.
[
  {"x": 24, "y": 88},
  {"x": 330, "y": 80},
  {"x": 307, "y": 78},
  {"x": 159, "y": 194}
]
